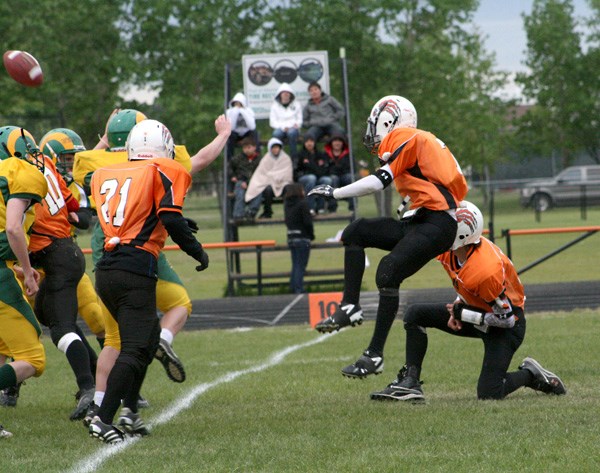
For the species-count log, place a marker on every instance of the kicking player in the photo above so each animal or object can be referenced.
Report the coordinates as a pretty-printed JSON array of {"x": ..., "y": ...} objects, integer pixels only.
[
  {"x": 424, "y": 171},
  {"x": 138, "y": 203},
  {"x": 490, "y": 306}
]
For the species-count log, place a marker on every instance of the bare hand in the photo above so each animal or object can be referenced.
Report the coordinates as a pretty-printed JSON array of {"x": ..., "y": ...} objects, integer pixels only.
[
  {"x": 223, "y": 125},
  {"x": 73, "y": 217},
  {"x": 453, "y": 323},
  {"x": 31, "y": 280}
]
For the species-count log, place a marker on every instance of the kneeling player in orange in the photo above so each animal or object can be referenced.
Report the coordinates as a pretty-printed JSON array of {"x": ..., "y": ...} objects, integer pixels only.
[{"x": 490, "y": 306}]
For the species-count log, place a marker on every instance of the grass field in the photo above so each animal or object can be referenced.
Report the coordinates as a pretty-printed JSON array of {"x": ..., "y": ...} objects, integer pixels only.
[{"x": 273, "y": 400}]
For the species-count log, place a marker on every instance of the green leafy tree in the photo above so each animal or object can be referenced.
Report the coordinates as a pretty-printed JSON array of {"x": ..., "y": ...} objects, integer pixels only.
[
  {"x": 78, "y": 47},
  {"x": 563, "y": 83},
  {"x": 181, "y": 48}
]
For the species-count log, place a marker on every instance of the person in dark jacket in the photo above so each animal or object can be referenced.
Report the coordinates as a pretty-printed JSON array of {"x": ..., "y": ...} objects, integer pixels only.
[
  {"x": 322, "y": 113},
  {"x": 241, "y": 168},
  {"x": 313, "y": 167},
  {"x": 300, "y": 232},
  {"x": 341, "y": 170}
]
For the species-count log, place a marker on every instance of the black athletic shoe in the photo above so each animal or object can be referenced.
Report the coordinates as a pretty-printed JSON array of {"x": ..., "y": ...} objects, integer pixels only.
[
  {"x": 368, "y": 363},
  {"x": 405, "y": 388},
  {"x": 345, "y": 314},
  {"x": 85, "y": 397},
  {"x": 92, "y": 412},
  {"x": 4, "y": 434},
  {"x": 544, "y": 380},
  {"x": 9, "y": 396},
  {"x": 170, "y": 361},
  {"x": 131, "y": 423},
  {"x": 105, "y": 432}
]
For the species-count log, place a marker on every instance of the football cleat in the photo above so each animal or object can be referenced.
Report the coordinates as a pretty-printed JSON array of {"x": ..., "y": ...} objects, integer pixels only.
[
  {"x": 406, "y": 387},
  {"x": 345, "y": 314},
  {"x": 131, "y": 423},
  {"x": 142, "y": 402},
  {"x": 92, "y": 412},
  {"x": 544, "y": 380},
  {"x": 368, "y": 363},
  {"x": 170, "y": 361},
  {"x": 4, "y": 434},
  {"x": 105, "y": 432},
  {"x": 9, "y": 396},
  {"x": 85, "y": 398}
]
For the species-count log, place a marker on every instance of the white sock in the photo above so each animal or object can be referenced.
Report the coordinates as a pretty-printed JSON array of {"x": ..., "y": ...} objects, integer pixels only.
[
  {"x": 167, "y": 335},
  {"x": 98, "y": 398}
]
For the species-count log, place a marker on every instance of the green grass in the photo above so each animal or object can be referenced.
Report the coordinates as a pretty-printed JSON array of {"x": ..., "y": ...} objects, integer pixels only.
[
  {"x": 301, "y": 415},
  {"x": 576, "y": 264}
]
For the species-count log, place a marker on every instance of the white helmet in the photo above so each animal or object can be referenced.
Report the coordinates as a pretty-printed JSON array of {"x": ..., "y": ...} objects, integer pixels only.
[
  {"x": 390, "y": 112},
  {"x": 470, "y": 225},
  {"x": 150, "y": 139}
]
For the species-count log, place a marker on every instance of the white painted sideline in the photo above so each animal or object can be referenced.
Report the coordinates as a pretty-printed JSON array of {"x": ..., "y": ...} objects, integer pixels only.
[{"x": 94, "y": 461}]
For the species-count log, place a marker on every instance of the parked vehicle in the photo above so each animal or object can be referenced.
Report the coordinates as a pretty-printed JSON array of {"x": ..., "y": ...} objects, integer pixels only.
[{"x": 575, "y": 185}]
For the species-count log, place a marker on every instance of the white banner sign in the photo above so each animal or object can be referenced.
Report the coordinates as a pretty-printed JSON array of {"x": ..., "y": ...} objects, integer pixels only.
[{"x": 264, "y": 73}]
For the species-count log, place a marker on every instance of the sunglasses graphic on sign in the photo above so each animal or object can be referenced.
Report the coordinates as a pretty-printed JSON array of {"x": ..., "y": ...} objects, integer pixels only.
[{"x": 260, "y": 72}]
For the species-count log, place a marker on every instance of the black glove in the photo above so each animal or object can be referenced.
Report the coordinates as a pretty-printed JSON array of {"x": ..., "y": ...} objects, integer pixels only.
[
  {"x": 322, "y": 189},
  {"x": 203, "y": 260},
  {"x": 192, "y": 224}
]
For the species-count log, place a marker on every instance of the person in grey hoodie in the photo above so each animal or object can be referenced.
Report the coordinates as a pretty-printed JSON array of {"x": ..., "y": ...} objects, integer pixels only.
[
  {"x": 322, "y": 114},
  {"x": 286, "y": 117},
  {"x": 243, "y": 123}
]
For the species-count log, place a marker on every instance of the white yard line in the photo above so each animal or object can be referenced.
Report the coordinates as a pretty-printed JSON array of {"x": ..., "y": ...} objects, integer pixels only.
[
  {"x": 94, "y": 461},
  {"x": 286, "y": 309}
]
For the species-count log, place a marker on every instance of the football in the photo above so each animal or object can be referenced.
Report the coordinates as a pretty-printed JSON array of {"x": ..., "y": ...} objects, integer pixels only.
[{"x": 23, "y": 68}]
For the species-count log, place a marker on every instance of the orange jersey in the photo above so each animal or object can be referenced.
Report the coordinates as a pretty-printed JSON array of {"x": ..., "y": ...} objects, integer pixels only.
[
  {"x": 486, "y": 274},
  {"x": 424, "y": 169},
  {"x": 130, "y": 196},
  {"x": 51, "y": 215}
]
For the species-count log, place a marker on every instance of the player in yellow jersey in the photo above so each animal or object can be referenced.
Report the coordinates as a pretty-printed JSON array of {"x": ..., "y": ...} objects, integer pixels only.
[
  {"x": 490, "y": 306},
  {"x": 23, "y": 184},
  {"x": 172, "y": 298}
]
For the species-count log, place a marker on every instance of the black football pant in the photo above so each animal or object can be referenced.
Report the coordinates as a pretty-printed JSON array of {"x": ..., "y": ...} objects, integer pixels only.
[
  {"x": 411, "y": 243},
  {"x": 131, "y": 300},
  {"x": 56, "y": 305},
  {"x": 499, "y": 344}
]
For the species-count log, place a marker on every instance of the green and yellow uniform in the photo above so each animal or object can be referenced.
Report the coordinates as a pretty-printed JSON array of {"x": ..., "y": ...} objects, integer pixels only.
[{"x": 19, "y": 329}]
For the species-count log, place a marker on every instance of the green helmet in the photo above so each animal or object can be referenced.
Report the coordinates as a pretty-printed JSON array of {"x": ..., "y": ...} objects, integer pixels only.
[
  {"x": 59, "y": 144},
  {"x": 120, "y": 125},
  {"x": 18, "y": 142}
]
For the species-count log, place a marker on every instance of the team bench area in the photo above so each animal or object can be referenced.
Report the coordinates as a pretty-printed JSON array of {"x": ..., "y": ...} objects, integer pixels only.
[{"x": 260, "y": 279}]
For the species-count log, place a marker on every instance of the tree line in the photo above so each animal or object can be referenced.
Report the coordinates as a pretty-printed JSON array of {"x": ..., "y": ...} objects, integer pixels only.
[{"x": 429, "y": 51}]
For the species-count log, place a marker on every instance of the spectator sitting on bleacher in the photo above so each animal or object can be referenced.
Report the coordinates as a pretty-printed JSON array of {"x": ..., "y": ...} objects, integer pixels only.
[
  {"x": 286, "y": 117},
  {"x": 322, "y": 113},
  {"x": 313, "y": 167},
  {"x": 341, "y": 171},
  {"x": 241, "y": 168},
  {"x": 243, "y": 122},
  {"x": 273, "y": 173}
]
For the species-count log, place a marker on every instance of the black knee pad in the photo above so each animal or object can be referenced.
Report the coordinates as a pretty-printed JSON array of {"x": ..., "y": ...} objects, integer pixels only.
[{"x": 387, "y": 272}]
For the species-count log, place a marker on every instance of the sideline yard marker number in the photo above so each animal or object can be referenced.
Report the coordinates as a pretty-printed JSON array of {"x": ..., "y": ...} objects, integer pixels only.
[{"x": 322, "y": 305}]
